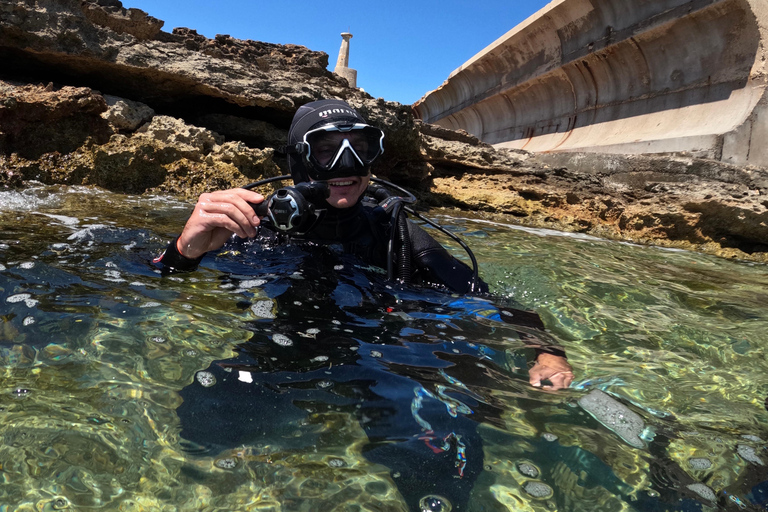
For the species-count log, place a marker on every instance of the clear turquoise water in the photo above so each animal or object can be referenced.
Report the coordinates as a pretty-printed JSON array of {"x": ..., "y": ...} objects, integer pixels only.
[{"x": 97, "y": 350}]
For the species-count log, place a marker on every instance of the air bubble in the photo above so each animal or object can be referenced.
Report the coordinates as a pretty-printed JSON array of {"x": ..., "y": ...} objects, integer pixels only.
[
  {"x": 538, "y": 489},
  {"x": 59, "y": 503},
  {"x": 157, "y": 339},
  {"x": 324, "y": 384},
  {"x": 319, "y": 359},
  {"x": 434, "y": 503},
  {"x": 337, "y": 463},
  {"x": 206, "y": 379},
  {"x": 375, "y": 353},
  {"x": 29, "y": 320},
  {"x": 548, "y": 436},
  {"x": 21, "y": 393},
  {"x": 282, "y": 340}
]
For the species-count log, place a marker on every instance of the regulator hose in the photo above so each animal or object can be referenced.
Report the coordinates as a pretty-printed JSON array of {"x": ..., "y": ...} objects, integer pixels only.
[{"x": 404, "y": 268}]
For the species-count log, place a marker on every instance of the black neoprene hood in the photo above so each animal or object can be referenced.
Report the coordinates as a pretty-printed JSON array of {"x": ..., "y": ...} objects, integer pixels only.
[{"x": 311, "y": 116}]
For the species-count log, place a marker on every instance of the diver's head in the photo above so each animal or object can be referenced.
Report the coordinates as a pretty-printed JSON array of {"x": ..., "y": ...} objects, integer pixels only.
[{"x": 329, "y": 140}]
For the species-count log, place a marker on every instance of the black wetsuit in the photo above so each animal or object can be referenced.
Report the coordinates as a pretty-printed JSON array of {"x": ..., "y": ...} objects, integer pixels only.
[
  {"x": 434, "y": 449},
  {"x": 363, "y": 231}
]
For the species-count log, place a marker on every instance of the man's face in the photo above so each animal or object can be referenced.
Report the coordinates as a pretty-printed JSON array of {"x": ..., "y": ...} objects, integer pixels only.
[{"x": 345, "y": 192}]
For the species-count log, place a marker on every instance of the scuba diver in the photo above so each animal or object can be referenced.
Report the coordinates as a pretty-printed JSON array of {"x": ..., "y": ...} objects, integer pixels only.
[{"x": 335, "y": 204}]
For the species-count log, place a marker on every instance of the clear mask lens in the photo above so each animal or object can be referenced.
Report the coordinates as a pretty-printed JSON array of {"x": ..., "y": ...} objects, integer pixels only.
[{"x": 326, "y": 146}]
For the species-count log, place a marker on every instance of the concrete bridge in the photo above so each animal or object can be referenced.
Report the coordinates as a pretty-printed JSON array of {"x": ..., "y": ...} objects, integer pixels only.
[{"x": 620, "y": 76}]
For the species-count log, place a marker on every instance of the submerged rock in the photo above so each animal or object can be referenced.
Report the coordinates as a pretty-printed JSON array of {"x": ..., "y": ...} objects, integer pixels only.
[
  {"x": 703, "y": 491},
  {"x": 749, "y": 454},
  {"x": 615, "y": 416}
]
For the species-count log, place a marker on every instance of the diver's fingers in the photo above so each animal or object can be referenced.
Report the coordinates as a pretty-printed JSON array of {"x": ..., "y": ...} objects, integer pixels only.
[
  {"x": 560, "y": 380},
  {"x": 536, "y": 374},
  {"x": 217, "y": 209}
]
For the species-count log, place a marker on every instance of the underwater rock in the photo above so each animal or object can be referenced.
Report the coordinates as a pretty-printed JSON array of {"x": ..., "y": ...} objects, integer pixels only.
[
  {"x": 538, "y": 489},
  {"x": 206, "y": 379},
  {"x": 703, "y": 491},
  {"x": 282, "y": 340},
  {"x": 749, "y": 454},
  {"x": 700, "y": 463},
  {"x": 264, "y": 309},
  {"x": 615, "y": 416},
  {"x": 528, "y": 469}
]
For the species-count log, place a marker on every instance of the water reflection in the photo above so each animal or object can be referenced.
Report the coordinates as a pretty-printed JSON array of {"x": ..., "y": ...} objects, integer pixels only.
[{"x": 100, "y": 354}]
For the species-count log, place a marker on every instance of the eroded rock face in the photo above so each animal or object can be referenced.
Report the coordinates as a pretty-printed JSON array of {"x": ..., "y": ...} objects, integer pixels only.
[
  {"x": 675, "y": 202},
  {"x": 95, "y": 94},
  {"x": 38, "y": 120}
]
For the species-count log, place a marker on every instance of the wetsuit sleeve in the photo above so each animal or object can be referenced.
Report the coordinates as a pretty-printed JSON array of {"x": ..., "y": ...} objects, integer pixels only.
[
  {"x": 172, "y": 261},
  {"x": 435, "y": 265}
]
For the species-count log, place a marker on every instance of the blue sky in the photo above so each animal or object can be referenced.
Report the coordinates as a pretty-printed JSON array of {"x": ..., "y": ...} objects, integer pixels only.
[{"x": 401, "y": 49}]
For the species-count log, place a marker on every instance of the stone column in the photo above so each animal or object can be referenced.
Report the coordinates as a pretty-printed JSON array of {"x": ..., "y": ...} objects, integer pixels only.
[{"x": 342, "y": 63}]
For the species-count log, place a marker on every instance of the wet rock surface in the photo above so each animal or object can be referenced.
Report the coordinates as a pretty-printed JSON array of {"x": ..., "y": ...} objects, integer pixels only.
[{"x": 93, "y": 93}]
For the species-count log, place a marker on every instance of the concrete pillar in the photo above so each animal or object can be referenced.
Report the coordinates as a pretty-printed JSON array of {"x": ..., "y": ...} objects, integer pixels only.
[{"x": 342, "y": 63}]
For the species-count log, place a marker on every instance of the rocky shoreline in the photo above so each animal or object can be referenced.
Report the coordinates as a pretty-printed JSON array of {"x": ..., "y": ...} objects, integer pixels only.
[{"x": 95, "y": 94}]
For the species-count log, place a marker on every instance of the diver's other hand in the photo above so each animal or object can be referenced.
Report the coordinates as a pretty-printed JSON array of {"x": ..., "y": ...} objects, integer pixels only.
[
  {"x": 216, "y": 216},
  {"x": 553, "y": 368}
]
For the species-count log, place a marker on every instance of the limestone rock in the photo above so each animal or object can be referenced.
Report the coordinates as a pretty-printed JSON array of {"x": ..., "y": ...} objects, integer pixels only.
[
  {"x": 184, "y": 137},
  {"x": 35, "y": 120},
  {"x": 126, "y": 115}
]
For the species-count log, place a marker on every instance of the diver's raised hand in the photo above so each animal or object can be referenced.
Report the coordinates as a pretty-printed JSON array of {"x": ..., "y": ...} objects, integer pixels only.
[
  {"x": 216, "y": 216},
  {"x": 553, "y": 368}
]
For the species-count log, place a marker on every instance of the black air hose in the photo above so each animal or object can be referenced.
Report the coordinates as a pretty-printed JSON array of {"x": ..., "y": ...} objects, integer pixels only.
[{"x": 399, "y": 233}]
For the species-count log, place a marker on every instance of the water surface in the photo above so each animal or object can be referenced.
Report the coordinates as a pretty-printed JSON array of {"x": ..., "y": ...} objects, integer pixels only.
[{"x": 105, "y": 360}]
